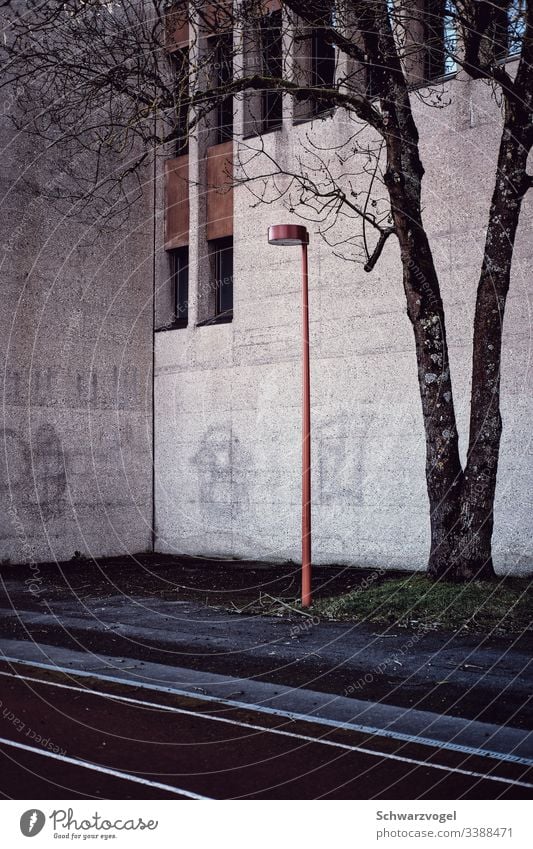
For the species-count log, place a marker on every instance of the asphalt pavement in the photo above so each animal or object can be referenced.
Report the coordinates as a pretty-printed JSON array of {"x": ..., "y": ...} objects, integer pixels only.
[{"x": 65, "y": 735}]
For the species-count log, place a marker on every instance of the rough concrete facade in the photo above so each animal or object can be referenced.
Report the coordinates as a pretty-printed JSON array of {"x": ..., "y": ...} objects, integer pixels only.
[
  {"x": 76, "y": 355},
  {"x": 227, "y": 409}
]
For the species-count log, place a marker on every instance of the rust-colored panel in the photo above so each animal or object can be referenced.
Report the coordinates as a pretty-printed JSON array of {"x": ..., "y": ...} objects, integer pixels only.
[
  {"x": 177, "y": 27},
  {"x": 176, "y": 202},
  {"x": 220, "y": 191},
  {"x": 218, "y": 16}
]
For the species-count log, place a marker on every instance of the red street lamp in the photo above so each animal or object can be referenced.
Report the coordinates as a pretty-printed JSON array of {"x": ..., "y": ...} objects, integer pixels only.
[{"x": 294, "y": 234}]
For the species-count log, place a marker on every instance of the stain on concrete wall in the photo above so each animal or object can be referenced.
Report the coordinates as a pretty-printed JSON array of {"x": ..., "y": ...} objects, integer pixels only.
[{"x": 41, "y": 461}]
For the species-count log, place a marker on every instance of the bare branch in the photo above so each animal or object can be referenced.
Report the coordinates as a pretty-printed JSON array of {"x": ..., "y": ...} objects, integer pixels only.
[{"x": 379, "y": 248}]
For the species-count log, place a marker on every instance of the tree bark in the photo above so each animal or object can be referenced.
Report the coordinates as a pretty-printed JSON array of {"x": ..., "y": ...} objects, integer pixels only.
[{"x": 444, "y": 474}]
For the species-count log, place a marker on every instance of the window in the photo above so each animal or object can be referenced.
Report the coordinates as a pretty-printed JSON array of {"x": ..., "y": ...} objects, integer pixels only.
[
  {"x": 222, "y": 269},
  {"x": 516, "y": 26},
  {"x": 271, "y": 53},
  {"x": 180, "y": 278},
  {"x": 263, "y": 109},
  {"x": 434, "y": 39},
  {"x": 450, "y": 40},
  {"x": 223, "y": 74},
  {"x": 505, "y": 33},
  {"x": 315, "y": 61},
  {"x": 323, "y": 59},
  {"x": 180, "y": 59},
  {"x": 440, "y": 39},
  {"x": 372, "y": 80}
]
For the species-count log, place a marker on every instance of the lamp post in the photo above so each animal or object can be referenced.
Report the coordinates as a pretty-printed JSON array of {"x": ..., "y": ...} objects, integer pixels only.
[{"x": 294, "y": 234}]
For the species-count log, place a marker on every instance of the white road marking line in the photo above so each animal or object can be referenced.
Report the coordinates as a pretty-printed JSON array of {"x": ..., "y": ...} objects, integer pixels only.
[
  {"x": 277, "y": 731},
  {"x": 331, "y": 723},
  {"x": 107, "y": 770}
]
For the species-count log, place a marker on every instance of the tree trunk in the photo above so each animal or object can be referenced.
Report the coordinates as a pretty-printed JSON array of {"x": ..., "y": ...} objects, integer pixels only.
[
  {"x": 444, "y": 474},
  {"x": 473, "y": 545},
  {"x": 403, "y": 178},
  {"x": 461, "y": 503}
]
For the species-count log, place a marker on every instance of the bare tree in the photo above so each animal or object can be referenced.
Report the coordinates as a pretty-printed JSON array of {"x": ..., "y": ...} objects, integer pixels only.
[{"x": 97, "y": 75}]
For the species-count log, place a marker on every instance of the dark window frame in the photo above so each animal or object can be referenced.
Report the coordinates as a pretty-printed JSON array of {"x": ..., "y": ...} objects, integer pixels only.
[
  {"x": 223, "y": 129},
  {"x": 322, "y": 58},
  {"x": 180, "y": 58},
  {"x": 267, "y": 53},
  {"x": 322, "y": 68},
  {"x": 515, "y": 29},
  {"x": 440, "y": 38},
  {"x": 434, "y": 39},
  {"x": 222, "y": 250},
  {"x": 323, "y": 62},
  {"x": 180, "y": 285},
  {"x": 271, "y": 47},
  {"x": 219, "y": 315}
]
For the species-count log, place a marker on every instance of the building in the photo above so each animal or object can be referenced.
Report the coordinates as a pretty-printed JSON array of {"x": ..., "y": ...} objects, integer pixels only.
[{"x": 226, "y": 347}]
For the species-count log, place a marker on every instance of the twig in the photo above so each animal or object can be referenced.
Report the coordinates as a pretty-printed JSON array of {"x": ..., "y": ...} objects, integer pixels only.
[{"x": 289, "y": 606}]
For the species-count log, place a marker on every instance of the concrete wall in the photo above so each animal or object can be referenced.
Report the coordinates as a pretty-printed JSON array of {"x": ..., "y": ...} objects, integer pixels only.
[
  {"x": 76, "y": 356},
  {"x": 228, "y": 397}
]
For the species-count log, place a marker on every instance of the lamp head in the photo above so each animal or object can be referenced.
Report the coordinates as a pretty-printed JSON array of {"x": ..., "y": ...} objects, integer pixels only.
[{"x": 288, "y": 234}]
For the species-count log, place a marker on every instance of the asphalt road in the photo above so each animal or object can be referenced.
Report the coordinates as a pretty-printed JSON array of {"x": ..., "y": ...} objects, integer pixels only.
[{"x": 63, "y": 736}]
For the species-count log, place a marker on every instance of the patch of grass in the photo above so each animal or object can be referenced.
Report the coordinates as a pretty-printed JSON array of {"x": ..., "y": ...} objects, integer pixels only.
[{"x": 500, "y": 607}]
